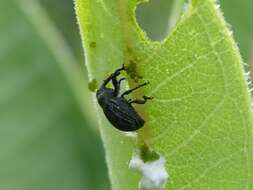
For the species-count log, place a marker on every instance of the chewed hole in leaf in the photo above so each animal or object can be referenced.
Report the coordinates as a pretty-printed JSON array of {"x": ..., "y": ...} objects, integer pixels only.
[
  {"x": 153, "y": 17},
  {"x": 158, "y": 17}
]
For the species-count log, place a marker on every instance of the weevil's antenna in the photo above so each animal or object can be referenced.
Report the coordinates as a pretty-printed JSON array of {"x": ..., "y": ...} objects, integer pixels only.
[{"x": 113, "y": 75}]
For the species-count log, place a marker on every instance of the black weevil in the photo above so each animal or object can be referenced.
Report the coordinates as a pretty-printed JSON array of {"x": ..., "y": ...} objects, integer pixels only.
[{"x": 118, "y": 110}]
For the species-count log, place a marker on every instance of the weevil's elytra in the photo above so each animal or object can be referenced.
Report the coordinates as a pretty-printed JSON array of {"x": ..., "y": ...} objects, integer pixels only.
[{"x": 118, "y": 110}]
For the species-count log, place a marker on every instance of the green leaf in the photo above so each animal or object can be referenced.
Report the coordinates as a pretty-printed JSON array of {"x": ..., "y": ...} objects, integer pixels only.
[
  {"x": 200, "y": 118},
  {"x": 45, "y": 139}
]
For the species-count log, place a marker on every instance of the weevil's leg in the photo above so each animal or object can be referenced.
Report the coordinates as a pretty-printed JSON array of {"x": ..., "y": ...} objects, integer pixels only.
[
  {"x": 129, "y": 101},
  {"x": 133, "y": 89},
  {"x": 117, "y": 71},
  {"x": 120, "y": 80},
  {"x": 113, "y": 75},
  {"x": 116, "y": 85},
  {"x": 139, "y": 101}
]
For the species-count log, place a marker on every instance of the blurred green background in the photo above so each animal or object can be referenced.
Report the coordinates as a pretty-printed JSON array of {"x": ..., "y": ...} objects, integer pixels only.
[{"x": 48, "y": 135}]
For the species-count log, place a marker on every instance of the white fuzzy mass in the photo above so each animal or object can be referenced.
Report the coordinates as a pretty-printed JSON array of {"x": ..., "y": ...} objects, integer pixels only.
[{"x": 154, "y": 174}]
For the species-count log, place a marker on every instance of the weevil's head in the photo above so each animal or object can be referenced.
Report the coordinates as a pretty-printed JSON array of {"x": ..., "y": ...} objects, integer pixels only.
[{"x": 104, "y": 95}]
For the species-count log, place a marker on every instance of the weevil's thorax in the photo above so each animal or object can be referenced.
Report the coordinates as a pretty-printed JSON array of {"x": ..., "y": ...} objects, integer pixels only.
[{"x": 104, "y": 95}]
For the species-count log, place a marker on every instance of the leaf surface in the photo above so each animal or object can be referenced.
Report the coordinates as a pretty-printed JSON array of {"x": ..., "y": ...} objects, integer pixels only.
[{"x": 200, "y": 118}]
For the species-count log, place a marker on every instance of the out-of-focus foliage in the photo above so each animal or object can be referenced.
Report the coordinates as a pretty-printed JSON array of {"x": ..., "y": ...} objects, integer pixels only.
[
  {"x": 62, "y": 13},
  {"x": 239, "y": 15},
  {"x": 45, "y": 141}
]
